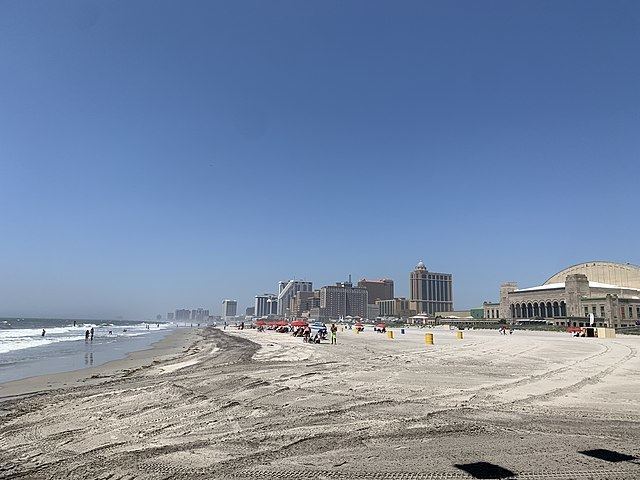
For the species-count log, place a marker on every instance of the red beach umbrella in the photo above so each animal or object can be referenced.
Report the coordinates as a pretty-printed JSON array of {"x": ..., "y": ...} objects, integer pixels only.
[
  {"x": 261, "y": 322},
  {"x": 282, "y": 323},
  {"x": 299, "y": 323},
  {"x": 381, "y": 325}
]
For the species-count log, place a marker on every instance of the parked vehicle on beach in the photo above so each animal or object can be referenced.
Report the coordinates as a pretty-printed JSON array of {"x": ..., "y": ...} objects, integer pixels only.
[{"x": 318, "y": 327}]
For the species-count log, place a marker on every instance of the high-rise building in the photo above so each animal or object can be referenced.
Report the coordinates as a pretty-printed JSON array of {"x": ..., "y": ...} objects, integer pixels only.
[
  {"x": 250, "y": 312},
  {"x": 304, "y": 302},
  {"x": 229, "y": 308},
  {"x": 288, "y": 290},
  {"x": 378, "y": 289},
  {"x": 430, "y": 291},
  {"x": 266, "y": 304},
  {"x": 342, "y": 300},
  {"x": 170, "y": 316},
  {"x": 183, "y": 314}
]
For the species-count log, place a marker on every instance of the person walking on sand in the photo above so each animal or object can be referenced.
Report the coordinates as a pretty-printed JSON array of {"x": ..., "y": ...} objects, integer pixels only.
[
  {"x": 307, "y": 334},
  {"x": 334, "y": 333}
]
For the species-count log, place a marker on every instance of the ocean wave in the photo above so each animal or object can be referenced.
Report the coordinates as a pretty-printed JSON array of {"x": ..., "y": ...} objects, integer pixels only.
[{"x": 22, "y": 338}]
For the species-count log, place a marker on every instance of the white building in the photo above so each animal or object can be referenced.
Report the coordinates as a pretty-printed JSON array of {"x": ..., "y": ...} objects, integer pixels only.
[{"x": 265, "y": 305}]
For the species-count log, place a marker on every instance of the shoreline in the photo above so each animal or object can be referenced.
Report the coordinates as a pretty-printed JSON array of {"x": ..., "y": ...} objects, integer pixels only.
[{"x": 167, "y": 348}]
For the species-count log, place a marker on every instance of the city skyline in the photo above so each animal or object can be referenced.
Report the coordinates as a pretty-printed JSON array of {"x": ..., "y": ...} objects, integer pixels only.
[{"x": 157, "y": 156}]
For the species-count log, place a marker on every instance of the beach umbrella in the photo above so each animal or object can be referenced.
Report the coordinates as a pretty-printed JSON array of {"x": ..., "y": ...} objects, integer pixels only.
[
  {"x": 299, "y": 323},
  {"x": 261, "y": 322},
  {"x": 380, "y": 325},
  {"x": 282, "y": 323}
]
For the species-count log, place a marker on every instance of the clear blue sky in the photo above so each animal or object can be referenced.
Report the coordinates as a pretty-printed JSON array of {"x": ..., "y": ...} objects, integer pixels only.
[{"x": 158, "y": 154}]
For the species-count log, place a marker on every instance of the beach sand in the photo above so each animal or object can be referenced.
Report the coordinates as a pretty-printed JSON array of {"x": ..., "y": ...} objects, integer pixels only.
[{"x": 244, "y": 404}]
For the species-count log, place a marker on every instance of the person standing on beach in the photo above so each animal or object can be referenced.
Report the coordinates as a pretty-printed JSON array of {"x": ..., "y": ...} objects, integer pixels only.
[
  {"x": 86, "y": 335},
  {"x": 334, "y": 333}
]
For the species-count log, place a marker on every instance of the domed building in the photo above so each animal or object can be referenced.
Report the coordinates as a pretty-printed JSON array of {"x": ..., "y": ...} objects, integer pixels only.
[{"x": 608, "y": 291}]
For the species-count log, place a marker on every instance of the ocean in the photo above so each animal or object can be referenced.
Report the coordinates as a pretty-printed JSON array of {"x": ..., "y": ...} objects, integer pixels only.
[{"x": 25, "y": 352}]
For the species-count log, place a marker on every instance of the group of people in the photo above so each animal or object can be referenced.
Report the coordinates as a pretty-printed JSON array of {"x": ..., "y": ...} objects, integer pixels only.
[
  {"x": 305, "y": 333},
  {"x": 88, "y": 334},
  {"x": 503, "y": 330}
]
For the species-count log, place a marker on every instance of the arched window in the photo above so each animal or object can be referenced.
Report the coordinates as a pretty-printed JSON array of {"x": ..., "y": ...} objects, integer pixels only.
[
  {"x": 556, "y": 309},
  {"x": 563, "y": 309},
  {"x": 529, "y": 310},
  {"x": 549, "y": 310},
  {"x": 513, "y": 311},
  {"x": 536, "y": 310},
  {"x": 518, "y": 310}
]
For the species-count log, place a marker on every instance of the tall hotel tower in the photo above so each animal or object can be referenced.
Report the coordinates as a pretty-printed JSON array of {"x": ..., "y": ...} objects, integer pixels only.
[{"x": 430, "y": 292}]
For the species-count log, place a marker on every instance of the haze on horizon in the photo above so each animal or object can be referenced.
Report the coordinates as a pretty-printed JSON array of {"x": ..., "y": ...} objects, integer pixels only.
[{"x": 157, "y": 155}]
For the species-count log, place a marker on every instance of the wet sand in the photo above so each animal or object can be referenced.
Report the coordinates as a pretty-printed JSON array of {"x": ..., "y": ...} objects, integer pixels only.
[{"x": 255, "y": 405}]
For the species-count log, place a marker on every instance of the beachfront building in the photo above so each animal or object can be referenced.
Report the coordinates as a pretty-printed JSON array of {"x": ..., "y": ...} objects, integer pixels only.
[
  {"x": 396, "y": 308},
  {"x": 229, "y": 308},
  {"x": 303, "y": 302},
  {"x": 265, "y": 305},
  {"x": 491, "y": 311},
  {"x": 373, "y": 312},
  {"x": 431, "y": 292},
  {"x": 342, "y": 300},
  {"x": 378, "y": 289},
  {"x": 287, "y": 291},
  {"x": 608, "y": 291}
]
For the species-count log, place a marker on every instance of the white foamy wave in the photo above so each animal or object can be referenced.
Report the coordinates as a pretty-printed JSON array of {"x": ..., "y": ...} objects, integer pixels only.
[
  {"x": 22, "y": 338},
  {"x": 21, "y": 343}
]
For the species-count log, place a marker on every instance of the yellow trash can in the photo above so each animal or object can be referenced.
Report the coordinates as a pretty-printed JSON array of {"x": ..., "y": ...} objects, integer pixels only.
[
  {"x": 428, "y": 338},
  {"x": 459, "y": 335},
  {"x": 390, "y": 334}
]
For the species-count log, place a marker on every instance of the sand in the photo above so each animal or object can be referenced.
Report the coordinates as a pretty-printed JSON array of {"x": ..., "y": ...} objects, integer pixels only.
[{"x": 244, "y": 404}]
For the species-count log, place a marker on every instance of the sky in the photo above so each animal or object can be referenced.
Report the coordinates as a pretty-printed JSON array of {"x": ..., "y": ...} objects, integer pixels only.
[{"x": 163, "y": 154}]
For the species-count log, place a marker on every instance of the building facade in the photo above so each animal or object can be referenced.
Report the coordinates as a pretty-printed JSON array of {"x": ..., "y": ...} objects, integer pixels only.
[
  {"x": 342, "y": 300},
  {"x": 573, "y": 295},
  {"x": 491, "y": 311},
  {"x": 378, "y": 289},
  {"x": 287, "y": 291},
  {"x": 431, "y": 292},
  {"x": 396, "y": 307},
  {"x": 265, "y": 305},
  {"x": 302, "y": 303},
  {"x": 229, "y": 308}
]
